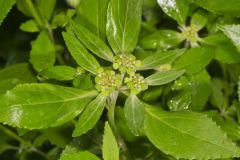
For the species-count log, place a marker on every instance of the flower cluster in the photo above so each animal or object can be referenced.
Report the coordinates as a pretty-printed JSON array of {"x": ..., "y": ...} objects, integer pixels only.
[
  {"x": 190, "y": 33},
  {"x": 107, "y": 81},
  {"x": 136, "y": 83},
  {"x": 126, "y": 63}
]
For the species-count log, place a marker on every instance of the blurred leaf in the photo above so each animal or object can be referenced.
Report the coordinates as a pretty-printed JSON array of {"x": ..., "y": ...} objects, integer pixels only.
[
  {"x": 199, "y": 19},
  {"x": 80, "y": 54},
  {"x": 61, "y": 73},
  {"x": 177, "y": 9},
  {"x": 35, "y": 106},
  {"x": 6, "y": 6},
  {"x": 90, "y": 116},
  {"x": 42, "y": 54},
  {"x": 29, "y": 26},
  {"x": 110, "y": 147},
  {"x": 195, "y": 59},
  {"x": 123, "y": 24},
  {"x": 163, "y": 77},
  {"x": 175, "y": 132},
  {"x": 45, "y": 8},
  {"x": 134, "y": 111}
]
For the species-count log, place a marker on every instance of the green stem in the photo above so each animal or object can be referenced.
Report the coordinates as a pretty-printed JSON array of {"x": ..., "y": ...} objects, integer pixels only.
[
  {"x": 14, "y": 135},
  {"x": 34, "y": 13},
  {"x": 111, "y": 119}
]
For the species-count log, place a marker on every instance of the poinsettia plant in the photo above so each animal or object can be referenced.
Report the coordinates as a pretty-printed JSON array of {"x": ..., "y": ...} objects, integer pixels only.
[{"x": 119, "y": 79}]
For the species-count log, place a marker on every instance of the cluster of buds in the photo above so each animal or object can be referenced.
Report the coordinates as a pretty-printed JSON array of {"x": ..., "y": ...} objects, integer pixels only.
[
  {"x": 126, "y": 63},
  {"x": 136, "y": 83},
  {"x": 190, "y": 33},
  {"x": 107, "y": 81}
]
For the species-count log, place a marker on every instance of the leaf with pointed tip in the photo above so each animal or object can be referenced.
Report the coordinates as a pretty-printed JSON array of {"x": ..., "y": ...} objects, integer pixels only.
[
  {"x": 233, "y": 32},
  {"x": 164, "y": 77},
  {"x": 61, "y": 73},
  {"x": 123, "y": 24},
  {"x": 160, "y": 58},
  {"x": 29, "y": 26},
  {"x": 188, "y": 135},
  {"x": 134, "y": 111},
  {"x": 6, "y": 5},
  {"x": 36, "y": 106},
  {"x": 92, "y": 42},
  {"x": 90, "y": 116},
  {"x": 80, "y": 54},
  {"x": 110, "y": 147},
  {"x": 42, "y": 54},
  {"x": 177, "y": 9},
  {"x": 92, "y": 15}
]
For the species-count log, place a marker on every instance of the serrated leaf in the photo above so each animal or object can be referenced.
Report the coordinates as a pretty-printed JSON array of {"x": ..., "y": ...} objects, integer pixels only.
[
  {"x": 80, "y": 54},
  {"x": 29, "y": 26},
  {"x": 90, "y": 116},
  {"x": 92, "y": 15},
  {"x": 123, "y": 24},
  {"x": 163, "y": 77},
  {"x": 61, "y": 73},
  {"x": 110, "y": 147},
  {"x": 177, "y": 9},
  {"x": 42, "y": 57},
  {"x": 160, "y": 58},
  {"x": 92, "y": 42},
  {"x": 233, "y": 32},
  {"x": 5, "y": 5},
  {"x": 134, "y": 111},
  {"x": 188, "y": 135},
  {"x": 195, "y": 59},
  {"x": 36, "y": 106},
  {"x": 80, "y": 155}
]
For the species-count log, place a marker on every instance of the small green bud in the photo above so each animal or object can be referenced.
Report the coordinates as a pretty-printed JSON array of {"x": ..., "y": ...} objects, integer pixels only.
[
  {"x": 190, "y": 33},
  {"x": 136, "y": 83},
  {"x": 107, "y": 81},
  {"x": 126, "y": 63},
  {"x": 79, "y": 71}
]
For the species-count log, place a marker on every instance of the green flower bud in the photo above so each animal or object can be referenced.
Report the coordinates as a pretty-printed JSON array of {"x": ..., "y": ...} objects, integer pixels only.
[
  {"x": 79, "y": 71},
  {"x": 107, "y": 81},
  {"x": 126, "y": 63},
  {"x": 190, "y": 33},
  {"x": 136, "y": 83}
]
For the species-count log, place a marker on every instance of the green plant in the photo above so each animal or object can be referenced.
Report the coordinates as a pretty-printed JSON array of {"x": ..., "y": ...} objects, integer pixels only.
[{"x": 119, "y": 79}]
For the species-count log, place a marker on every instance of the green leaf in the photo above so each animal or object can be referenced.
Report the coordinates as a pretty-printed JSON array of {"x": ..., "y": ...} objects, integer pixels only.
[
  {"x": 29, "y": 26},
  {"x": 123, "y": 24},
  {"x": 22, "y": 5},
  {"x": 42, "y": 54},
  {"x": 225, "y": 51},
  {"x": 110, "y": 146},
  {"x": 160, "y": 58},
  {"x": 195, "y": 59},
  {"x": 15, "y": 74},
  {"x": 80, "y": 54},
  {"x": 134, "y": 111},
  {"x": 233, "y": 32},
  {"x": 164, "y": 77},
  {"x": 161, "y": 39},
  {"x": 6, "y": 6},
  {"x": 35, "y": 106},
  {"x": 92, "y": 15},
  {"x": 188, "y": 135},
  {"x": 177, "y": 9},
  {"x": 220, "y": 6},
  {"x": 199, "y": 19},
  {"x": 90, "y": 116},
  {"x": 92, "y": 42},
  {"x": 45, "y": 8},
  {"x": 61, "y": 73},
  {"x": 78, "y": 155}
]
